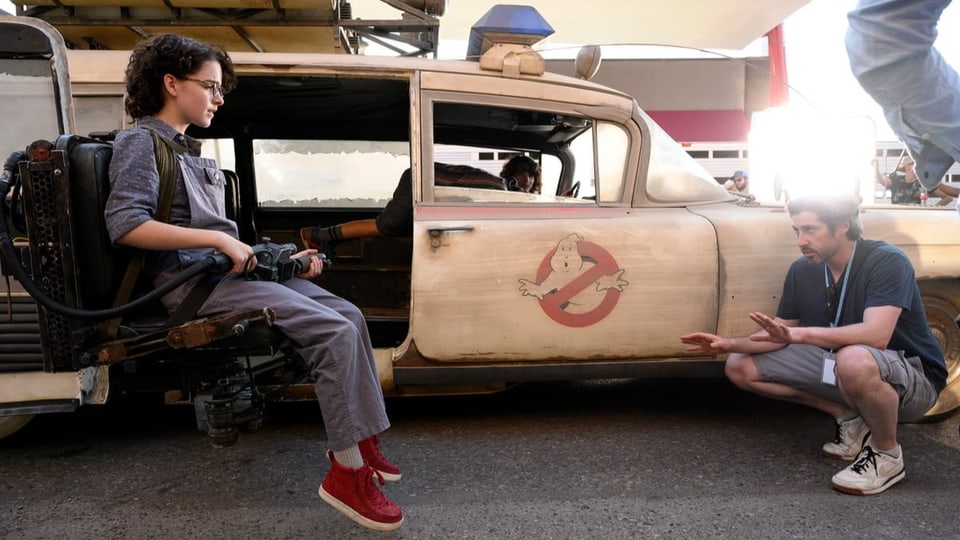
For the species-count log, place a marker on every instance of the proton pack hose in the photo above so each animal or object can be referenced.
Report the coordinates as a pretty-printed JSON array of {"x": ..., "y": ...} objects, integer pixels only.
[
  {"x": 215, "y": 262},
  {"x": 13, "y": 262}
]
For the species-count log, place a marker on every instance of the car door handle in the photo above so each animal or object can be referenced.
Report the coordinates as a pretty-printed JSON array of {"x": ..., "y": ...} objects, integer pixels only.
[{"x": 437, "y": 231}]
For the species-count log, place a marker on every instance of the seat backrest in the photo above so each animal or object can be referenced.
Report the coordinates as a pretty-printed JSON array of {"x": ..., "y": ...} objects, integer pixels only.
[{"x": 100, "y": 264}]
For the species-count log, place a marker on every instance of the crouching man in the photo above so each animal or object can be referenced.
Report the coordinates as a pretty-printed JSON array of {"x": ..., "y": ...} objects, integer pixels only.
[{"x": 850, "y": 338}]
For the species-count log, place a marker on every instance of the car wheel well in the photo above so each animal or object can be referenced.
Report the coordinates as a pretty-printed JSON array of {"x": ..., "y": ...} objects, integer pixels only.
[
  {"x": 11, "y": 424},
  {"x": 941, "y": 303}
]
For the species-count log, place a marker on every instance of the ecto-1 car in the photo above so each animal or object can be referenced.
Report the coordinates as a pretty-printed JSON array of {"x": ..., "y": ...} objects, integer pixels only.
[{"x": 629, "y": 245}]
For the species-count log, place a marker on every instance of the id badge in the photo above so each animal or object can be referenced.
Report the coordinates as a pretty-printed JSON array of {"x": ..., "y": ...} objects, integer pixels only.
[{"x": 828, "y": 374}]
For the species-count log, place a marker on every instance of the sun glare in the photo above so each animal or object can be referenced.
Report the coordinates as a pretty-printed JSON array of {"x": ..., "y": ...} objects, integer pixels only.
[{"x": 794, "y": 151}]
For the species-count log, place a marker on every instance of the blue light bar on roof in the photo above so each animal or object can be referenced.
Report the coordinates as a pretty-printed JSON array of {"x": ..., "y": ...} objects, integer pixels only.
[{"x": 521, "y": 25}]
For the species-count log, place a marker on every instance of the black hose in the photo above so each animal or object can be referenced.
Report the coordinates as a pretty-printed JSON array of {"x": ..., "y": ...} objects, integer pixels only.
[
  {"x": 12, "y": 261},
  {"x": 9, "y": 170},
  {"x": 215, "y": 262}
]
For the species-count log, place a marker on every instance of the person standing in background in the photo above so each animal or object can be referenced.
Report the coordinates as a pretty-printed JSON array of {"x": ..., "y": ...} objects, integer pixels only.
[{"x": 739, "y": 182}]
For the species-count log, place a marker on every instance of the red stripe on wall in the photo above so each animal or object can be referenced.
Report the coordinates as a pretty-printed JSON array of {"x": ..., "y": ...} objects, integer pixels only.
[{"x": 703, "y": 126}]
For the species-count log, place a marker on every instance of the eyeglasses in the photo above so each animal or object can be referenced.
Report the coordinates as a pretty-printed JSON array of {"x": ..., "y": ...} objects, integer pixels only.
[{"x": 215, "y": 88}]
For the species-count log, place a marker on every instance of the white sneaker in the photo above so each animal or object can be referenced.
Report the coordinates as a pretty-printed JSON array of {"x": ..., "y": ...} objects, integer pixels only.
[
  {"x": 873, "y": 472},
  {"x": 851, "y": 435}
]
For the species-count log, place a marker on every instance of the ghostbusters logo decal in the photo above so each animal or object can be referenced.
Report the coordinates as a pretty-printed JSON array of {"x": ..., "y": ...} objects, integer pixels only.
[{"x": 578, "y": 282}]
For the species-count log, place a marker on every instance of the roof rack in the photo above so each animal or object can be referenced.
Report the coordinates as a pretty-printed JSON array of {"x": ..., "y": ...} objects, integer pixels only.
[{"x": 260, "y": 26}]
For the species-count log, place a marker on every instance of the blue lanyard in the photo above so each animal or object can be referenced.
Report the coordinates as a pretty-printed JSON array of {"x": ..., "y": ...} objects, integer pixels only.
[{"x": 843, "y": 288}]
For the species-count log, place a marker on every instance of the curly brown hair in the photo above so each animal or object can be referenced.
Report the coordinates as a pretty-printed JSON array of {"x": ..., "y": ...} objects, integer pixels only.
[
  {"x": 525, "y": 164},
  {"x": 168, "y": 53}
]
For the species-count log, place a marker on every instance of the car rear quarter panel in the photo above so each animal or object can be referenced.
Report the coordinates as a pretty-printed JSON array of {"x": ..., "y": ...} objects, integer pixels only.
[
  {"x": 929, "y": 236},
  {"x": 756, "y": 246}
]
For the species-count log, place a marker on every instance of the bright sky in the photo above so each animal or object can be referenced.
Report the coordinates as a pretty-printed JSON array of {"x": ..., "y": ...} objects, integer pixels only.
[{"x": 816, "y": 59}]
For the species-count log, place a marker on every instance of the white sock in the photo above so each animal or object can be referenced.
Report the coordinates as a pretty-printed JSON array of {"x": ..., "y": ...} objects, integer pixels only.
[
  {"x": 849, "y": 415},
  {"x": 349, "y": 457},
  {"x": 893, "y": 452}
]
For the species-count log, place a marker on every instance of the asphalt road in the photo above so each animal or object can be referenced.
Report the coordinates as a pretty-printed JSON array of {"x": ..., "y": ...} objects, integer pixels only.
[{"x": 613, "y": 459}]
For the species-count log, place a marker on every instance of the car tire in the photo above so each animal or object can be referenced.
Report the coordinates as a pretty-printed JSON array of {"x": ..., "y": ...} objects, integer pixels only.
[
  {"x": 941, "y": 302},
  {"x": 11, "y": 424}
]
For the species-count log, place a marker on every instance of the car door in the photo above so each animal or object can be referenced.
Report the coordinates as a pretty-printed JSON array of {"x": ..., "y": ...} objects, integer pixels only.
[{"x": 501, "y": 276}]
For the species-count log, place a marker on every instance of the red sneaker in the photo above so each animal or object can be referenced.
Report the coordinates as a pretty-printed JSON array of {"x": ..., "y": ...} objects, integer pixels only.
[
  {"x": 353, "y": 493},
  {"x": 370, "y": 450}
]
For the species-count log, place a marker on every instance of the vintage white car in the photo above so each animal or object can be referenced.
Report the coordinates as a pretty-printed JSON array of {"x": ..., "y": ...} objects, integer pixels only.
[{"x": 493, "y": 288}]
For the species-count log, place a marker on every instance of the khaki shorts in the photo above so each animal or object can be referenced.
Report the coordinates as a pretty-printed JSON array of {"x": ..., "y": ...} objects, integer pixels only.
[{"x": 800, "y": 367}]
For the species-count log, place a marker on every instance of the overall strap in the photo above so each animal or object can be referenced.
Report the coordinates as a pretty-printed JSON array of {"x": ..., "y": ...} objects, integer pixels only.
[{"x": 166, "y": 152}]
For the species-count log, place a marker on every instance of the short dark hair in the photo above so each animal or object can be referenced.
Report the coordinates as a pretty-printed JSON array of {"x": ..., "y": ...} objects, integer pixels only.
[
  {"x": 522, "y": 163},
  {"x": 166, "y": 54},
  {"x": 832, "y": 210}
]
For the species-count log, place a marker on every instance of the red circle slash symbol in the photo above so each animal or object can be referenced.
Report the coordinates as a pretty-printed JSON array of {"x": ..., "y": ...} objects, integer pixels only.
[{"x": 554, "y": 303}]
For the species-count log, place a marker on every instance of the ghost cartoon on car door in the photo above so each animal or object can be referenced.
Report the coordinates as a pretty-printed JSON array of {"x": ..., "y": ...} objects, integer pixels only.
[{"x": 578, "y": 283}]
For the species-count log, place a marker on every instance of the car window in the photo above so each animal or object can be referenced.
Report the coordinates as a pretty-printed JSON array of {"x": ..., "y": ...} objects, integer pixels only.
[
  {"x": 493, "y": 160},
  {"x": 99, "y": 113},
  {"x": 673, "y": 175},
  {"x": 570, "y": 150},
  {"x": 613, "y": 145},
  {"x": 324, "y": 174},
  {"x": 221, "y": 151},
  {"x": 488, "y": 159},
  {"x": 27, "y": 87}
]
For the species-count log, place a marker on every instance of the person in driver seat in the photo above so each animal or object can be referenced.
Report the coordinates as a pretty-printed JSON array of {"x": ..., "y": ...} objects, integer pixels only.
[{"x": 522, "y": 174}]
